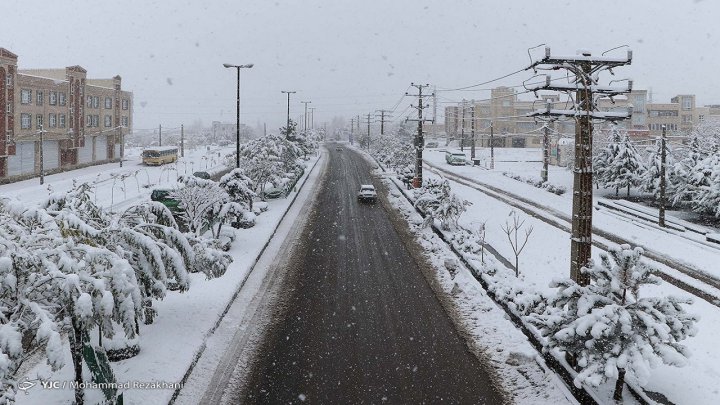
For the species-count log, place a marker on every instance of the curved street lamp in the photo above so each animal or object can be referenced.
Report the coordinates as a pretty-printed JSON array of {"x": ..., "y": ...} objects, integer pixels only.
[{"x": 237, "y": 124}]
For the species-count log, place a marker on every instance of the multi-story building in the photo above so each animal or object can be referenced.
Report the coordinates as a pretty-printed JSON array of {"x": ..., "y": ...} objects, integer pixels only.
[
  {"x": 61, "y": 115},
  {"x": 512, "y": 127}
]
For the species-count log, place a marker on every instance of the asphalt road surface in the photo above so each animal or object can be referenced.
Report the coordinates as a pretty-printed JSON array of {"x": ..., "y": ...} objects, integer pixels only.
[{"x": 361, "y": 325}]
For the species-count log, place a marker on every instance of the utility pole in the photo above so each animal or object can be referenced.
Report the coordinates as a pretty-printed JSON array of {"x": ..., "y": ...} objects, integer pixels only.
[
  {"x": 546, "y": 152},
  {"x": 419, "y": 141},
  {"x": 287, "y": 127},
  {"x": 42, "y": 155},
  {"x": 434, "y": 120},
  {"x": 368, "y": 132},
  {"x": 160, "y": 135},
  {"x": 462, "y": 128},
  {"x": 472, "y": 129},
  {"x": 492, "y": 147},
  {"x": 663, "y": 157},
  {"x": 312, "y": 117},
  {"x": 586, "y": 69},
  {"x": 305, "y": 121},
  {"x": 383, "y": 114},
  {"x": 182, "y": 140},
  {"x": 352, "y": 129}
]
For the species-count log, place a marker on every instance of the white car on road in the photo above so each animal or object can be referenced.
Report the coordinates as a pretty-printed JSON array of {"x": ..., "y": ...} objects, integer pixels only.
[{"x": 367, "y": 193}]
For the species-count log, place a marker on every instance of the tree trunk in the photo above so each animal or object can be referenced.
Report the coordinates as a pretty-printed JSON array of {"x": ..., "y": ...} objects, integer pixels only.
[
  {"x": 628, "y": 193},
  {"x": 617, "y": 191},
  {"x": 517, "y": 267},
  {"x": 619, "y": 385},
  {"x": 76, "y": 347}
]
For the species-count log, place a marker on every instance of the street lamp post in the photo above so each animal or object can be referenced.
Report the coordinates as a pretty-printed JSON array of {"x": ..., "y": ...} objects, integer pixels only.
[
  {"x": 287, "y": 128},
  {"x": 237, "y": 122}
]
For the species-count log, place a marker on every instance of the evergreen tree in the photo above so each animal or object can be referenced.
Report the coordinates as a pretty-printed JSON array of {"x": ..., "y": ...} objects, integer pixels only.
[
  {"x": 620, "y": 166},
  {"x": 442, "y": 204},
  {"x": 609, "y": 327}
]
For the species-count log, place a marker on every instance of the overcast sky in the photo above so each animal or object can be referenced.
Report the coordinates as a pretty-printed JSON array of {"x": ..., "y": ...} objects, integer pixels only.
[{"x": 349, "y": 57}]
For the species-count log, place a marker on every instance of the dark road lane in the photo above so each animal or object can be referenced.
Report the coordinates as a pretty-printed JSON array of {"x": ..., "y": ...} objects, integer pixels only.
[{"x": 362, "y": 325}]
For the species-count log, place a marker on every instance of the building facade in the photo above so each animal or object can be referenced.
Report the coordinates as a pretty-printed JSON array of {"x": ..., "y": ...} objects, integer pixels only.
[
  {"x": 59, "y": 117},
  {"x": 507, "y": 116}
]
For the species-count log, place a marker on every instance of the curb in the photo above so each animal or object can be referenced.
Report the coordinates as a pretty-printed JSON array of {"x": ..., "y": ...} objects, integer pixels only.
[{"x": 212, "y": 330}]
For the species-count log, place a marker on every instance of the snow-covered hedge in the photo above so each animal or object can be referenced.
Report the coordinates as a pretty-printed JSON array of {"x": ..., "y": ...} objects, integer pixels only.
[{"x": 555, "y": 189}]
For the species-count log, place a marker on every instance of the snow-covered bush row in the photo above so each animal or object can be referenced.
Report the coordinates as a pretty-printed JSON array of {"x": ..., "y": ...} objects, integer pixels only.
[
  {"x": 70, "y": 267},
  {"x": 436, "y": 200},
  {"x": 555, "y": 189},
  {"x": 619, "y": 165},
  {"x": 609, "y": 326},
  {"x": 393, "y": 152},
  {"x": 273, "y": 161}
]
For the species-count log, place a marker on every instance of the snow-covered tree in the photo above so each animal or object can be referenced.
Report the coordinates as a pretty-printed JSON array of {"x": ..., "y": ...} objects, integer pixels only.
[
  {"x": 438, "y": 201},
  {"x": 239, "y": 187},
  {"x": 619, "y": 165},
  {"x": 704, "y": 186},
  {"x": 610, "y": 327},
  {"x": 205, "y": 205},
  {"x": 683, "y": 177}
]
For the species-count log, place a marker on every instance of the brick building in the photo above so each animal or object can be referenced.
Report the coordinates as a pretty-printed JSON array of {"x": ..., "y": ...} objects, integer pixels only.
[{"x": 81, "y": 121}]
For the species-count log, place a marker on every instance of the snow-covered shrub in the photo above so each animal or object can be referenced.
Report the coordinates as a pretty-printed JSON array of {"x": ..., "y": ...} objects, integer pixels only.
[
  {"x": 609, "y": 327},
  {"x": 239, "y": 187},
  {"x": 439, "y": 202}
]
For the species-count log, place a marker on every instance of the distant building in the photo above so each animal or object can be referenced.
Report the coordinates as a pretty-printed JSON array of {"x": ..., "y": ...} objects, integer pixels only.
[
  {"x": 82, "y": 120},
  {"x": 507, "y": 115}
]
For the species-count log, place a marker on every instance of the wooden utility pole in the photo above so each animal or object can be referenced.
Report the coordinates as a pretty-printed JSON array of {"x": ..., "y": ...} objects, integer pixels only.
[
  {"x": 419, "y": 141},
  {"x": 472, "y": 129},
  {"x": 368, "y": 131},
  {"x": 492, "y": 147},
  {"x": 305, "y": 118},
  {"x": 462, "y": 128},
  {"x": 546, "y": 153},
  {"x": 352, "y": 130},
  {"x": 287, "y": 127},
  {"x": 663, "y": 158},
  {"x": 586, "y": 69},
  {"x": 160, "y": 135},
  {"x": 182, "y": 140},
  {"x": 383, "y": 115}
]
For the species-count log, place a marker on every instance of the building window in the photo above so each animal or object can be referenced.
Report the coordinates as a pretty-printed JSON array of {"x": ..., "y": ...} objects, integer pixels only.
[
  {"x": 61, "y": 120},
  {"x": 39, "y": 97},
  {"x": 700, "y": 117},
  {"x": 88, "y": 121},
  {"x": 8, "y": 108},
  {"x": 25, "y": 121},
  {"x": 8, "y": 80},
  {"x": 39, "y": 120},
  {"x": 25, "y": 96},
  {"x": 72, "y": 122},
  {"x": 61, "y": 98},
  {"x": 687, "y": 103},
  {"x": 96, "y": 102},
  {"x": 52, "y": 120},
  {"x": 108, "y": 121},
  {"x": 88, "y": 102},
  {"x": 125, "y": 121},
  {"x": 125, "y": 104},
  {"x": 108, "y": 102},
  {"x": 52, "y": 98},
  {"x": 686, "y": 118}
]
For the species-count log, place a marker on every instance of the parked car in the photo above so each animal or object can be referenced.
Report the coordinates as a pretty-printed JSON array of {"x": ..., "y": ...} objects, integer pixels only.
[
  {"x": 367, "y": 193},
  {"x": 455, "y": 158},
  {"x": 431, "y": 145},
  {"x": 339, "y": 148},
  {"x": 162, "y": 195},
  {"x": 202, "y": 175}
]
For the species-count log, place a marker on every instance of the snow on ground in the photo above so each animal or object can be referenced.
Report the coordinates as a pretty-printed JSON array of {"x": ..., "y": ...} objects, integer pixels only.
[
  {"x": 547, "y": 256},
  {"x": 169, "y": 345}
]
